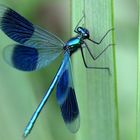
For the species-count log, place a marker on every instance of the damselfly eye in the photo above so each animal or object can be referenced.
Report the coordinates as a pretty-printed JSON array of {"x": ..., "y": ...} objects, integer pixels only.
[
  {"x": 79, "y": 29},
  {"x": 83, "y": 32},
  {"x": 86, "y": 34}
]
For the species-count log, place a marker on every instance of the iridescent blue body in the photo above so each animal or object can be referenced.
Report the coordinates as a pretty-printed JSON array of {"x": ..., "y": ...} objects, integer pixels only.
[
  {"x": 37, "y": 48},
  {"x": 76, "y": 42},
  {"x": 73, "y": 44},
  {"x": 73, "y": 41}
]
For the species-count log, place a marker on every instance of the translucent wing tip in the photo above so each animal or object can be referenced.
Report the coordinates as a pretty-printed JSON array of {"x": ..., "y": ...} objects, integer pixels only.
[{"x": 74, "y": 125}]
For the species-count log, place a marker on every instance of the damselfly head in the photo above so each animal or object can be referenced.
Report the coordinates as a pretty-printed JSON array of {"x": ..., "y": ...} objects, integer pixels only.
[{"x": 83, "y": 32}]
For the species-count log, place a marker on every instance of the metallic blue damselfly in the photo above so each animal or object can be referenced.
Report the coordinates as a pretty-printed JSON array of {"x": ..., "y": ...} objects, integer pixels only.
[{"x": 36, "y": 49}]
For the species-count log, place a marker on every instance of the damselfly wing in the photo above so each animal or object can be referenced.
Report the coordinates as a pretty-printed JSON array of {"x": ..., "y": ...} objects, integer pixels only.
[{"x": 66, "y": 98}]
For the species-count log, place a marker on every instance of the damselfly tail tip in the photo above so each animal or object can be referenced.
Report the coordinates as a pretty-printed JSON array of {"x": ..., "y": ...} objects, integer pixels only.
[{"x": 24, "y": 135}]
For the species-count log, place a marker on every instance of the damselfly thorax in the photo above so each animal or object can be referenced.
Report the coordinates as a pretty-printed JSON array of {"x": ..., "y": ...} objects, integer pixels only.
[{"x": 76, "y": 42}]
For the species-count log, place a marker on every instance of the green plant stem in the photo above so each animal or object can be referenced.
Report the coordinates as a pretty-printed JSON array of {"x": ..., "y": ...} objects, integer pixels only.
[{"x": 96, "y": 89}]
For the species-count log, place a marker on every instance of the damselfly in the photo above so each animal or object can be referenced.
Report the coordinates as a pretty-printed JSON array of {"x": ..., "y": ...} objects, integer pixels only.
[{"x": 36, "y": 49}]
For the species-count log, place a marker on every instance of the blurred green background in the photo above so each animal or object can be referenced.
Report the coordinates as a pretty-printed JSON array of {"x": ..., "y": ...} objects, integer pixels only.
[
  {"x": 21, "y": 92},
  {"x": 126, "y": 31}
]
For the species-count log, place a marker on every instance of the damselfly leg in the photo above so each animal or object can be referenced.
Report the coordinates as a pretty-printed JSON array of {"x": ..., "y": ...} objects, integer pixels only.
[
  {"x": 94, "y": 57},
  {"x": 91, "y": 67},
  {"x": 98, "y": 55},
  {"x": 99, "y": 42}
]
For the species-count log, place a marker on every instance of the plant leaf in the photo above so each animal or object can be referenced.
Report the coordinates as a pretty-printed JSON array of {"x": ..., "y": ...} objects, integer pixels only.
[{"x": 96, "y": 89}]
